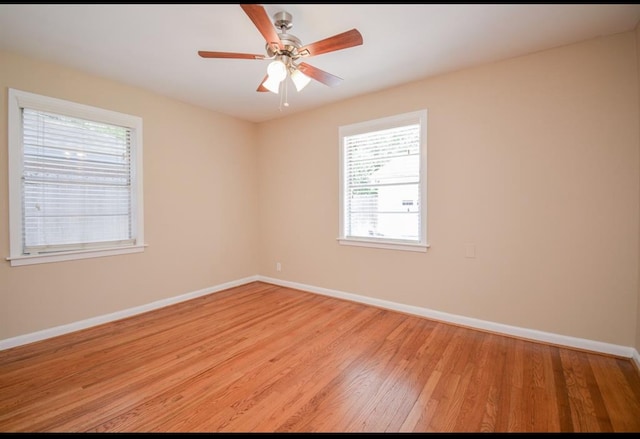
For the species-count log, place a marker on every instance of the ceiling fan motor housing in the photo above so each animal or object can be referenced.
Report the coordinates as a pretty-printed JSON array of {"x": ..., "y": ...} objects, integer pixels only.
[
  {"x": 282, "y": 20},
  {"x": 291, "y": 43}
]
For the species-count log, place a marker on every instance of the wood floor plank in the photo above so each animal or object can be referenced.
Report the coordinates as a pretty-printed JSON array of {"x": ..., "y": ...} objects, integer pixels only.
[{"x": 266, "y": 358}]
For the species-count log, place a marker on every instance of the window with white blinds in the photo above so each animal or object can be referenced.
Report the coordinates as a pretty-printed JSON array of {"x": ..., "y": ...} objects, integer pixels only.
[
  {"x": 75, "y": 180},
  {"x": 383, "y": 183}
]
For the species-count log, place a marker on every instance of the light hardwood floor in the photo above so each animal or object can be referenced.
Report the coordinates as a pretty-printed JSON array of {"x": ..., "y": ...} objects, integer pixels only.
[{"x": 264, "y": 358}]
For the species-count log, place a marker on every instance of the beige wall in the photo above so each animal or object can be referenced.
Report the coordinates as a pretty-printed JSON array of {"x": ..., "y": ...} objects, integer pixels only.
[
  {"x": 535, "y": 160},
  {"x": 199, "y": 199},
  {"x": 637, "y": 345}
]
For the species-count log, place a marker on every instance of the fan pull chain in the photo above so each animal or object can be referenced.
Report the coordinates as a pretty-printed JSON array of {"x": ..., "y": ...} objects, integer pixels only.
[
  {"x": 286, "y": 91},
  {"x": 283, "y": 94}
]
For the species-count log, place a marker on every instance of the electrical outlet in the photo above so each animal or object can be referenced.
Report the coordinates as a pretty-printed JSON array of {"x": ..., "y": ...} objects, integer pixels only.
[{"x": 278, "y": 266}]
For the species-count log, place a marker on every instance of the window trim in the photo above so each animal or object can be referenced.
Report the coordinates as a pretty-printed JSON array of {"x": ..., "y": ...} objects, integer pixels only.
[
  {"x": 374, "y": 125},
  {"x": 18, "y": 99}
]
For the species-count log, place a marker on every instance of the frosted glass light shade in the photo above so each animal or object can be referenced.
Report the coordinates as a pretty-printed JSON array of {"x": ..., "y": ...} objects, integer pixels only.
[
  {"x": 300, "y": 80},
  {"x": 277, "y": 70},
  {"x": 271, "y": 84}
]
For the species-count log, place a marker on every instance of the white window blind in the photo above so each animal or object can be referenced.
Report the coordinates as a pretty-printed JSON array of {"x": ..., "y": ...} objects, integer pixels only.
[
  {"x": 76, "y": 183},
  {"x": 75, "y": 180},
  {"x": 382, "y": 183}
]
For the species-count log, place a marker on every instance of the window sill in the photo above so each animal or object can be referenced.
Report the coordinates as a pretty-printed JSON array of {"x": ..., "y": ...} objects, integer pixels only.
[
  {"x": 73, "y": 255},
  {"x": 384, "y": 244}
]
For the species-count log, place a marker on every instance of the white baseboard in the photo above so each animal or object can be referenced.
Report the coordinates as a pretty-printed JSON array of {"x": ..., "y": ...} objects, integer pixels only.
[
  {"x": 76, "y": 326},
  {"x": 589, "y": 345},
  {"x": 530, "y": 334},
  {"x": 636, "y": 358}
]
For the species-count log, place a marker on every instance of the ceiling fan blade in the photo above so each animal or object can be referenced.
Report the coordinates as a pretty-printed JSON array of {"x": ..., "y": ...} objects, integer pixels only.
[
  {"x": 261, "y": 87},
  {"x": 341, "y": 41},
  {"x": 206, "y": 54},
  {"x": 261, "y": 20},
  {"x": 319, "y": 75}
]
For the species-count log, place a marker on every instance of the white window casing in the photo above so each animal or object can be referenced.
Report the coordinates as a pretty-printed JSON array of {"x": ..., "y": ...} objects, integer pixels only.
[
  {"x": 383, "y": 183},
  {"x": 75, "y": 180}
]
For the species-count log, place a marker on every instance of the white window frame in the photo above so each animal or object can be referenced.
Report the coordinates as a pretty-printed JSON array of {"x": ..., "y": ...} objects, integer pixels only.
[
  {"x": 18, "y": 100},
  {"x": 420, "y": 245}
]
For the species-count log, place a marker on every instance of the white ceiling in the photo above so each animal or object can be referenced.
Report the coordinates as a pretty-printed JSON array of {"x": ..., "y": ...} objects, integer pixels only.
[{"x": 155, "y": 46}]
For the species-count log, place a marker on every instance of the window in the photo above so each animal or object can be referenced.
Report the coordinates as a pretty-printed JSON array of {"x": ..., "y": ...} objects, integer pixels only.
[
  {"x": 75, "y": 180},
  {"x": 383, "y": 183}
]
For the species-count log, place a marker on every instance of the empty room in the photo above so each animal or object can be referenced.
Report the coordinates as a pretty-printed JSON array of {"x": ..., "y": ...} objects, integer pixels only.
[{"x": 320, "y": 218}]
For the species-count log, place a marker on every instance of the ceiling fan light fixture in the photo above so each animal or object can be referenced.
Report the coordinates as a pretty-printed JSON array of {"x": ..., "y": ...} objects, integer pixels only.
[
  {"x": 272, "y": 84},
  {"x": 300, "y": 80},
  {"x": 277, "y": 71}
]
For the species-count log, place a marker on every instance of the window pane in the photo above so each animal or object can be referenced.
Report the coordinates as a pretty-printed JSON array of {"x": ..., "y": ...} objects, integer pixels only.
[
  {"x": 400, "y": 226},
  {"x": 382, "y": 184},
  {"x": 66, "y": 214},
  {"x": 76, "y": 181}
]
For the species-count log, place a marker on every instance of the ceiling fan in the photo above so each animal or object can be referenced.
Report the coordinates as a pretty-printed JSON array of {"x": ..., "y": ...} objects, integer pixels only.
[{"x": 286, "y": 50}]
